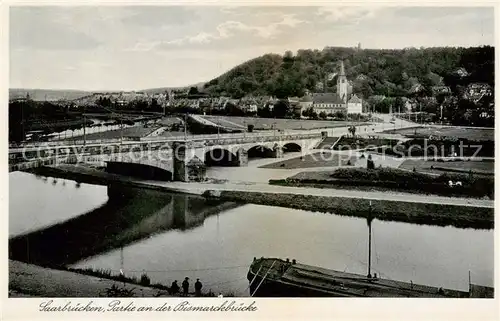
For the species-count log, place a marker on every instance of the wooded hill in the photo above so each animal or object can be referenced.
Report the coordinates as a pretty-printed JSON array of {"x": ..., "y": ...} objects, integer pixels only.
[{"x": 371, "y": 71}]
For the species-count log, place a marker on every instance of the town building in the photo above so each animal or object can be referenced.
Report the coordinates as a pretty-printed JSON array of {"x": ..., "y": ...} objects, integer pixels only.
[{"x": 330, "y": 103}]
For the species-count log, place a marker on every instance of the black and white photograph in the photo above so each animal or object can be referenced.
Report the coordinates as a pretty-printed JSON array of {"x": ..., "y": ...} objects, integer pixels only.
[{"x": 250, "y": 151}]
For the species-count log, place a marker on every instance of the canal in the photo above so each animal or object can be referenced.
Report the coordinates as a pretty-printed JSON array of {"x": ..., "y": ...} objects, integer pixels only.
[{"x": 57, "y": 222}]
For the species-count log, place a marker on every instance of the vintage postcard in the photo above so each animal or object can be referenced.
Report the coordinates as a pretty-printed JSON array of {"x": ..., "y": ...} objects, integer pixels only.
[{"x": 173, "y": 160}]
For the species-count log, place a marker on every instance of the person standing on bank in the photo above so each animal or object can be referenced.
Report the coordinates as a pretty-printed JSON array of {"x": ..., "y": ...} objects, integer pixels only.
[
  {"x": 197, "y": 287},
  {"x": 185, "y": 286},
  {"x": 174, "y": 288}
]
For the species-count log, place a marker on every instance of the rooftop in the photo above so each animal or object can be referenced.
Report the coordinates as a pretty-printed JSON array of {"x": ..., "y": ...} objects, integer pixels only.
[
  {"x": 355, "y": 100},
  {"x": 327, "y": 98}
]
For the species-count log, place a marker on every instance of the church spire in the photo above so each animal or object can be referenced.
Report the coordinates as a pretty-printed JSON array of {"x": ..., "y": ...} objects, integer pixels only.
[
  {"x": 342, "y": 71},
  {"x": 342, "y": 83}
]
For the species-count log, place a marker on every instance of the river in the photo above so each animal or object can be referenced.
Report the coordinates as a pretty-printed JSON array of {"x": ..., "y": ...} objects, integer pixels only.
[{"x": 171, "y": 236}]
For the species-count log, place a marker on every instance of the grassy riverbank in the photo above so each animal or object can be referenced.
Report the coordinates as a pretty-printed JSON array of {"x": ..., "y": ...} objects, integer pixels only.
[
  {"x": 396, "y": 180},
  {"x": 419, "y": 213},
  {"x": 28, "y": 280}
]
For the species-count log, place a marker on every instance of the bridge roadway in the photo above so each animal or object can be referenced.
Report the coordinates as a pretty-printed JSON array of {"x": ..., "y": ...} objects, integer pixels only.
[
  {"x": 41, "y": 154},
  {"x": 337, "y": 131},
  {"x": 155, "y": 140}
]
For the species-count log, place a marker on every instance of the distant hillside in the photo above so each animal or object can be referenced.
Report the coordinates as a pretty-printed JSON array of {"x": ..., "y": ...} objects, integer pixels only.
[
  {"x": 47, "y": 94},
  {"x": 160, "y": 90},
  {"x": 69, "y": 94},
  {"x": 371, "y": 72}
]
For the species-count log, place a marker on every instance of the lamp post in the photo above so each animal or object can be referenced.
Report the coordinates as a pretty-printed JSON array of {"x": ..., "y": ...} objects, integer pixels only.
[{"x": 84, "y": 126}]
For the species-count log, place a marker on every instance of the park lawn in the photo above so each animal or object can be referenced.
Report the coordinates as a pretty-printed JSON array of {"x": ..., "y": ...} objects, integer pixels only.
[
  {"x": 348, "y": 143},
  {"x": 477, "y": 186},
  {"x": 451, "y": 132},
  {"x": 479, "y": 167},
  {"x": 318, "y": 159},
  {"x": 281, "y": 124}
]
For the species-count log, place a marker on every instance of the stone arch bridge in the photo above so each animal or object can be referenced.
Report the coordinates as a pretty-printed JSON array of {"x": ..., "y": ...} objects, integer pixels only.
[{"x": 166, "y": 159}]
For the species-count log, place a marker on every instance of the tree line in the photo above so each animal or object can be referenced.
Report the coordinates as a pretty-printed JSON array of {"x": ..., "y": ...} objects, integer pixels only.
[{"x": 372, "y": 71}]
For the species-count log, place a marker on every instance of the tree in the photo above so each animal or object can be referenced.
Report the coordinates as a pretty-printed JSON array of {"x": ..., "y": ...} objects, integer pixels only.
[
  {"x": 322, "y": 115},
  {"x": 264, "y": 112},
  {"x": 193, "y": 91},
  {"x": 281, "y": 108},
  {"x": 340, "y": 115},
  {"x": 398, "y": 105}
]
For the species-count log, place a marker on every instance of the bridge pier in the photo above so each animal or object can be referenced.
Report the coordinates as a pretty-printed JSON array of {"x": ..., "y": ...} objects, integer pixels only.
[
  {"x": 277, "y": 152},
  {"x": 179, "y": 160},
  {"x": 187, "y": 166},
  {"x": 242, "y": 155}
]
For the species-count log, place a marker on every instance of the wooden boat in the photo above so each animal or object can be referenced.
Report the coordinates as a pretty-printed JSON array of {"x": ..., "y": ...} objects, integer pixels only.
[{"x": 275, "y": 277}]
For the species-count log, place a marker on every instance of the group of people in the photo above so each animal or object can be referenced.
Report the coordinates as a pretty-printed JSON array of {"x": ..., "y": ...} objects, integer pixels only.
[{"x": 174, "y": 288}]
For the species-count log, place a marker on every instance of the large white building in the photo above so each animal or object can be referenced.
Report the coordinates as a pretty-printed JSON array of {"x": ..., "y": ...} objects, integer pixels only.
[{"x": 331, "y": 103}]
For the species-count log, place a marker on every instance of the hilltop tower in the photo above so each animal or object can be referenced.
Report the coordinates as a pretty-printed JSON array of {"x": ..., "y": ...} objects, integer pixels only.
[{"x": 342, "y": 83}]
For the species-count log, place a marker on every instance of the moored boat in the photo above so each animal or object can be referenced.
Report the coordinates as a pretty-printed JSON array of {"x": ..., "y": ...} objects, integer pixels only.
[{"x": 275, "y": 277}]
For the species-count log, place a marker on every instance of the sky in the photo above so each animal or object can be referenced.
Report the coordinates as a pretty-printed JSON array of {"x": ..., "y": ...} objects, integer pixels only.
[{"x": 140, "y": 47}]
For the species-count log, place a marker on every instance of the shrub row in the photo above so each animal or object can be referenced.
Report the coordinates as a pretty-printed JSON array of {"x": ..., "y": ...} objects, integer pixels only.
[{"x": 402, "y": 180}]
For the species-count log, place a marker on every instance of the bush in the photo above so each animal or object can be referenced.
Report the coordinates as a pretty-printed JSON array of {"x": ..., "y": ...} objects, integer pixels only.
[{"x": 395, "y": 178}]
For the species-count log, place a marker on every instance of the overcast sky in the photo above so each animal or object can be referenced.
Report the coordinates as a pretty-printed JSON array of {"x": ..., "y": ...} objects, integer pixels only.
[{"x": 133, "y": 48}]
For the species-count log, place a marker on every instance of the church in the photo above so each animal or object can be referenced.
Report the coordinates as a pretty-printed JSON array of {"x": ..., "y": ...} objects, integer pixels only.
[{"x": 330, "y": 103}]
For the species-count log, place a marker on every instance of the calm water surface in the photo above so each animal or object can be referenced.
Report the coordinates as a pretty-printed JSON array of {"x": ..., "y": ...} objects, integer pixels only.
[{"x": 171, "y": 236}]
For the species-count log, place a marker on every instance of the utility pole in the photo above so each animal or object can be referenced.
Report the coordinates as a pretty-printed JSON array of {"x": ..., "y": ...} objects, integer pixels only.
[
  {"x": 369, "y": 240},
  {"x": 185, "y": 127}
]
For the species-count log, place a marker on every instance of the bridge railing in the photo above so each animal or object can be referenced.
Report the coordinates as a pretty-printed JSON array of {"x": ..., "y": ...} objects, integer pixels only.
[
  {"x": 128, "y": 141},
  {"x": 267, "y": 138}
]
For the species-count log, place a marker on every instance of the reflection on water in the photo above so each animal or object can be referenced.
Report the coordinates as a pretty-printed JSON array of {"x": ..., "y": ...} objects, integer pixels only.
[
  {"x": 36, "y": 201},
  {"x": 171, "y": 236},
  {"x": 129, "y": 215}
]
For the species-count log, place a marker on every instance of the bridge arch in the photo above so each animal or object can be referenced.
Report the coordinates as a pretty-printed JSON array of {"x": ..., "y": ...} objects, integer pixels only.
[
  {"x": 259, "y": 151},
  {"x": 291, "y": 147},
  {"x": 221, "y": 157},
  {"x": 138, "y": 170}
]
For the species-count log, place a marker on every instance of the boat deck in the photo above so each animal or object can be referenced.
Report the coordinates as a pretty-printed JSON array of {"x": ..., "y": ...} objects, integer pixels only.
[{"x": 343, "y": 283}]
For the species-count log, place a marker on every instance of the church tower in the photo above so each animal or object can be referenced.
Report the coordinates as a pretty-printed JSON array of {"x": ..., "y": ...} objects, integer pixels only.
[{"x": 342, "y": 83}]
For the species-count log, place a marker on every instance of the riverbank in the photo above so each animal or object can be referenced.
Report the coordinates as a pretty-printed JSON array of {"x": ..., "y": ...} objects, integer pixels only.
[
  {"x": 28, "y": 280},
  {"x": 395, "y": 206},
  {"x": 35, "y": 281},
  {"x": 385, "y": 210}
]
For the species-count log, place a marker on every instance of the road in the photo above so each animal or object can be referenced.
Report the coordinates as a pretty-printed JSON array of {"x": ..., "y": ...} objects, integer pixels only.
[{"x": 335, "y": 132}]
